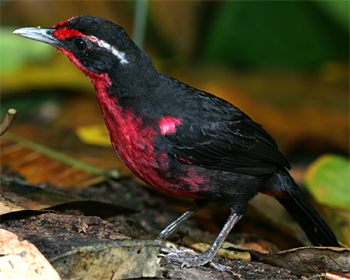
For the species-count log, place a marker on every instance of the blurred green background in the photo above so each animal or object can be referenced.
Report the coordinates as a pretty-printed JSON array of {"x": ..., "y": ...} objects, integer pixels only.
[{"x": 285, "y": 63}]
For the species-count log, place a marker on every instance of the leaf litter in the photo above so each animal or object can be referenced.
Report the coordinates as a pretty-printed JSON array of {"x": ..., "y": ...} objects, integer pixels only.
[{"x": 86, "y": 241}]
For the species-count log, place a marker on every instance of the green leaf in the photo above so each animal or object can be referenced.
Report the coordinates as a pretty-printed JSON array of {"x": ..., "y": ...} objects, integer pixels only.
[
  {"x": 15, "y": 52},
  {"x": 338, "y": 11},
  {"x": 328, "y": 180},
  {"x": 287, "y": 34}
]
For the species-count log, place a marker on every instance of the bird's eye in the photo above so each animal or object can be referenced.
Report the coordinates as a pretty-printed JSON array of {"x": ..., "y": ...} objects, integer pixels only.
[{"x": 80, "y": 44}]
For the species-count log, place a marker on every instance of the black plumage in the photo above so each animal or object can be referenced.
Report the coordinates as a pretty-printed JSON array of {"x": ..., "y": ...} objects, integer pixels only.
[{"x": 176, "y": 138}]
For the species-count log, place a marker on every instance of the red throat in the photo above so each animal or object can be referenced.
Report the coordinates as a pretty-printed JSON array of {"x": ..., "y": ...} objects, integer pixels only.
[{"x": 99, "y": 80}]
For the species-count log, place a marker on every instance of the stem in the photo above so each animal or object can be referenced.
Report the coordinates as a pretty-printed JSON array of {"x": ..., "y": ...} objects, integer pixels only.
[
  {"x": 140, "y": 20},
  {"x": 9, "y": 119}
]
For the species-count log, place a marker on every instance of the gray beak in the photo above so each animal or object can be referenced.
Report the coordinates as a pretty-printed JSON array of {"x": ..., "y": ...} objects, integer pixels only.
[{"x": 39, "y": 34}]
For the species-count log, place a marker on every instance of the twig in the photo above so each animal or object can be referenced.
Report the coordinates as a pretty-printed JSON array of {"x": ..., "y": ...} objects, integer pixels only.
[{"x": 8, "y": 120}]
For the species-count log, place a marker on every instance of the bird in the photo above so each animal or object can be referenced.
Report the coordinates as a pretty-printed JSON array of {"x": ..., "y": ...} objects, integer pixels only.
[{"x": 178, "y": 139}]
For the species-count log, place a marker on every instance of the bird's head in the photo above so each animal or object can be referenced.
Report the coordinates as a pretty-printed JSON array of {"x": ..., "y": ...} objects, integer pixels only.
[{"x": 95, "y": 45}]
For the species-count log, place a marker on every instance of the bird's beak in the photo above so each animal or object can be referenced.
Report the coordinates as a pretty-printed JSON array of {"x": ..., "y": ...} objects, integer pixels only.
[{"x": 39, "y": 34}]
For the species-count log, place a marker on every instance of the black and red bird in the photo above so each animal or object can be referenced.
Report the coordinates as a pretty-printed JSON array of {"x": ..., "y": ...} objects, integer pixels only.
[{"x": 176, "y": 138}]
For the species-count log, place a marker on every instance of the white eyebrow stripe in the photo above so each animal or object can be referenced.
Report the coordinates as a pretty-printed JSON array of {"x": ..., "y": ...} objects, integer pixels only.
[
  {"x": 120, "y": 55},
  {"x": 111, "y": 49}
]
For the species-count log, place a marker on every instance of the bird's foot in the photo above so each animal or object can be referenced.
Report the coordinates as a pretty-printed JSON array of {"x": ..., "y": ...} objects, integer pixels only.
[
  {"x": 177, "y": 256},
  {"x": 176, "y": 252},
  {"x": 196, "y": 260}
]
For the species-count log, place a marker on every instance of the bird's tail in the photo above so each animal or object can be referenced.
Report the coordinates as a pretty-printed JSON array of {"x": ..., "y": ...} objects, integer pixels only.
[{"x": 304, "y": 213}]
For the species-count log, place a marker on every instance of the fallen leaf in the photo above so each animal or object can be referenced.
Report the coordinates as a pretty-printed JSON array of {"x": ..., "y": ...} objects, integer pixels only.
[
  {"x": 27, "y": 197},
  {"x": 8, "y": 206},
  {"x": 273, "y": 213},
  {"x": 127, "y": 259},
  {"x": 308, "y": 260},
  {"x": 41, "y": 164},
  {"x": 202, "y": 247},
  {"x": 94, "y": 134},
  {"x": 54, "y": 233},
  {"x": 22, "y": 260}
]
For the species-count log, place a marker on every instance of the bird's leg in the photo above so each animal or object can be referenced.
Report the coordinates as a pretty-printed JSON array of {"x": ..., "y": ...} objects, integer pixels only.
[
  {"x": 199, "y": 204},
  {"x": 208, "y": 255}
]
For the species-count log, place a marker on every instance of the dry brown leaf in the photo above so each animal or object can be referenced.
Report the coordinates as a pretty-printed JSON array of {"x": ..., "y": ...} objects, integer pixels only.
[
  {"x": 309, "y": 260},
  {"x": 42, "y": 164},
  {"x": 22, "y": 260},
  {"x": 8, "y": 206},
  {"x": 19, "y": 197}
]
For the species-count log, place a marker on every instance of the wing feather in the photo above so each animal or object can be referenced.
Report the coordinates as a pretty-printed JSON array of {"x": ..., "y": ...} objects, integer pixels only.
[{"x": 241, "y": 146}]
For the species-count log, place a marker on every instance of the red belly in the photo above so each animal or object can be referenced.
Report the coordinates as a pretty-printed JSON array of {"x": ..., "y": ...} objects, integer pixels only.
[{"x": 133, "y": 142}]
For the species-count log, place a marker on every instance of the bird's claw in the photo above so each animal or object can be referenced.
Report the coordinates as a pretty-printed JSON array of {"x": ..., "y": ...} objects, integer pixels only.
[
  {"x": 175, "y": 254},
  {"x": 172, "y": 251},
  {"x": 195, "y": 260}
]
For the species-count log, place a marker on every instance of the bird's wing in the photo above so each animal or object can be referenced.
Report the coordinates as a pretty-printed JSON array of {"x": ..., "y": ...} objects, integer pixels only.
[{"x": 241, "y": 146}]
